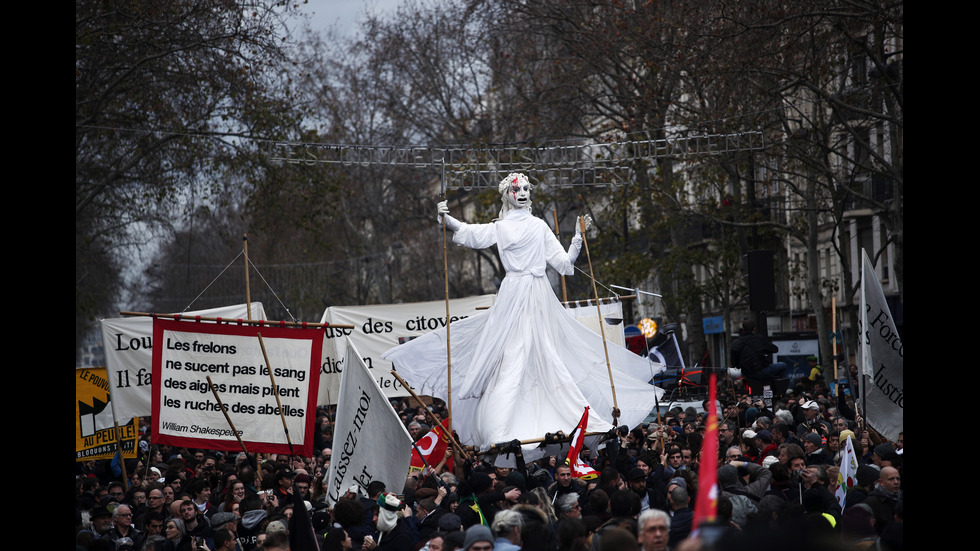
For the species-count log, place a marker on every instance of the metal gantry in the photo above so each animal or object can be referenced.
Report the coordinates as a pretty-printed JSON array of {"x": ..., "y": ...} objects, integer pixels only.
[{"x": 479, "y": 166}]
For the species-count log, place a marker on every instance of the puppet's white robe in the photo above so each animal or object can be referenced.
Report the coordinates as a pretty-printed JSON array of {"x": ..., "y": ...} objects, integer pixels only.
[{"x": 525, "y": 367}]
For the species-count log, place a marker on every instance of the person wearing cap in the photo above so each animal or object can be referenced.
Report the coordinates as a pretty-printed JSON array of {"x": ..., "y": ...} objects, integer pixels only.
[
  {"x": 637, "y": 481},
  {"x": 101, "y": 519},
  {"x": 394, "y": 531},
  {"x": 815, "y": 369},
  {"x": 811, "y": 421},
  {"x": 813, "y": 446},
  {"x": 284, "y": 485},
  {"x": 478, "y": 538}
]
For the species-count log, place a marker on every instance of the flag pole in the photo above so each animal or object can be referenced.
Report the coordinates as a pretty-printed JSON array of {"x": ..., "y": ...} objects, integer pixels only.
[
  {"x": 602, "y": 328},
  {"x": 224, "y": 410},
  {"x": 452, "y": 439},
  {"x": 275, "y": 392},
  {"x": 248, "y": 288},
  {"x": 445, "y": 268},
  {"x": 564, "y": 292}
]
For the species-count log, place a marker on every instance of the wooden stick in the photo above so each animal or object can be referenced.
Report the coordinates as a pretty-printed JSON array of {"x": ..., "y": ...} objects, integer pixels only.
[
  {"x": 452, "y": 439},
  {"x": 275, "y": 392},
  {"x": 227, "y": 418},
  {"x": 445, "y": 267},
  {"x": 270, "y": 323},
  {"x": 248, "y": 288},
  {"x": 602, "y": 329},
  {"x": 564, "y": 292}
]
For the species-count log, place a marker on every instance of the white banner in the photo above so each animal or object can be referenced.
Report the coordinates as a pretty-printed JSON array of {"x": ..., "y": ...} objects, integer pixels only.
[
  {"x": 370, "y": 442},
  {"x": 612, "y": 316},
  {"x": 267, "y": 418},
  {"x": 128, "y": 344},
  {"x": 882, "y": 358},
  {"x": 378, "y": 328}
]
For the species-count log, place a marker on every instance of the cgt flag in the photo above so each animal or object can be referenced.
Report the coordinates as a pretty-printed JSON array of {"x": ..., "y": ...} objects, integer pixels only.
[
  {"x": 433, "y": 448},
  {"x": 706, "y": 506},
  {"x": 580, "y": 469},
  {"x": 882, "y": 358}
]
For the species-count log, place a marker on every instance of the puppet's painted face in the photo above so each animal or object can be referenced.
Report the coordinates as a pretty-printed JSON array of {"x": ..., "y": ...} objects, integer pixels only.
[{"x": 518, "y": 195}]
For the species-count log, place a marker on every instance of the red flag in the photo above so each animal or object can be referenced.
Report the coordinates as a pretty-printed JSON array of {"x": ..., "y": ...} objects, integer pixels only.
[
  {"x": 433, "y": 447},
  {"x": 580, "y": 469},
  {"x": 706, "y": 506}
]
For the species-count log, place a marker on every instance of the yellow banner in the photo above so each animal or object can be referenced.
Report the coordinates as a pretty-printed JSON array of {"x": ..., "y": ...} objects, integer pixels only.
[{"x": 94, "y": 429}]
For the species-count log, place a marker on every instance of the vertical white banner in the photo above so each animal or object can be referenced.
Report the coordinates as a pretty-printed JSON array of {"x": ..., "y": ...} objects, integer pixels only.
[
  {"x": 370, "y": 442},
  {"x": 882, "y": 358}
]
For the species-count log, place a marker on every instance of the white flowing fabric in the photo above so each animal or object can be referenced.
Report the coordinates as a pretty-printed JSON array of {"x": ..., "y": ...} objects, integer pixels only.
[{"x": 525, "y": 367}]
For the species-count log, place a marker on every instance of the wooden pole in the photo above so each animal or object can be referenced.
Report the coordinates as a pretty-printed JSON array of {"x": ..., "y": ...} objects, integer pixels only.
[
  {"x": 445, "y": 268},
  {"x": 602, "y": 328},
  {"x": 227, "y": 418},
  {"x": 564, "y": 292},
  {"x": 452, "y": 439},
  {"x": 248, "y": 288},
  {"x": 275, "y": 392}
]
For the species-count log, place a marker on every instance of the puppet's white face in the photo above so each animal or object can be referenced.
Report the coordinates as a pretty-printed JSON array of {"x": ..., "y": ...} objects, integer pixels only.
[{"x": 518, "y": 196}]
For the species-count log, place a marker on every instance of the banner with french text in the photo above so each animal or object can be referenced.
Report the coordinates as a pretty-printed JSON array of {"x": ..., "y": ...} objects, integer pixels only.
[
  {"x": 128, "y": 345},
  {"x": 185, "y": 410},
  {"x": 370, "y": 441},
  {"x": 95, "y": 435},
  {"x": 380, "y": 327},
  {"x": 882, "y": 358}
]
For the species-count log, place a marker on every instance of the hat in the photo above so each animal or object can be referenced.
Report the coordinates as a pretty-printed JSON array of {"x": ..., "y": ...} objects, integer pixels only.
[
  {"x": 515, "y": 478},
  {"x": 302, "y": 477},
  {"x": 99, "y": 512},
  {"x": 749, "y": 433},
  {"x": 846, "y": 433},
  {"x": 476, "y": 534},
  {"x": 810, "y": 404},
  {"x": 769, "y": 460},
  {"x": 284, "y": 474},
  {"x": 811, "y": 358},
  {"x": 679, "y": 481},
  {"x": 813, "y": 438},
  {"x": 218, "y": 519},
  {"x": 765, "y": 435},
  {"x": 866, "y": 475},
  {"x": 388, "y": 515},
  {"x": 636, "y": 473},
  {"x": 275, "y": 526},
  {"x": 423, "y": 493},
  {"x": 727, "y": 476},
  {"x": 480, "y": 481},
  {"x": 450, "y": 522}
]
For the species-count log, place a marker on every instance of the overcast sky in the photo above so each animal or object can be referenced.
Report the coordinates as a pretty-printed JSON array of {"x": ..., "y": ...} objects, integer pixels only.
[{"x": 346, "y": 14}]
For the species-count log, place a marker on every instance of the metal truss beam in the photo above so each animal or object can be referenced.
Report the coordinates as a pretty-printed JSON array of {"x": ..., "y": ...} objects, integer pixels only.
[{"x": 564, "y": 164}]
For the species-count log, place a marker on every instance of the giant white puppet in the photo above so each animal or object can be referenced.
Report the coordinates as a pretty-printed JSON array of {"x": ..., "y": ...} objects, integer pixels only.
[{"x": 525, "y": 367}]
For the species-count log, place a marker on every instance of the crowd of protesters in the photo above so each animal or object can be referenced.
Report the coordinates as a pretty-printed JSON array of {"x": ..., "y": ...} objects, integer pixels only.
[{"x": 778, "y": 468}]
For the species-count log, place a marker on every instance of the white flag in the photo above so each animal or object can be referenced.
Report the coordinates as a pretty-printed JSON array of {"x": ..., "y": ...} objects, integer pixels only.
[
  {"x": 370, "y": 442},
  {"x": 847, "y": 477},
  {"x": 882, "y": 358},
  {"x": 128, "y": 345}
]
